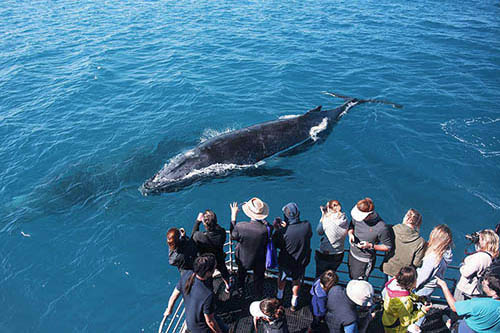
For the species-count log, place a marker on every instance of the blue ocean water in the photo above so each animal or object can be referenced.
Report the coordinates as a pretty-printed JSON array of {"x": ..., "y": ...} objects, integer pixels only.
[{"x": 96, "y": 96}]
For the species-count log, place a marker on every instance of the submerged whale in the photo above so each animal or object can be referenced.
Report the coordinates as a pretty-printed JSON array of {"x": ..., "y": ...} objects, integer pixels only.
[{"x": 247, "y": 146}]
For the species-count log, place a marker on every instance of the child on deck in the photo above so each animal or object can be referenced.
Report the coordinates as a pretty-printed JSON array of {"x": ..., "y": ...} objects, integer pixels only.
[{"x": 319, "y": 292}]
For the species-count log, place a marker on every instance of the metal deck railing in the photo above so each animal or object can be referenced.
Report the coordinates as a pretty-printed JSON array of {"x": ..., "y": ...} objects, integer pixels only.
[{"x": 176, "y": 322}]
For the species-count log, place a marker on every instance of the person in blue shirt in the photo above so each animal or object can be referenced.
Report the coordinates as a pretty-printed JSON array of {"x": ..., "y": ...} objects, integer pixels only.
[
  {"x": 199, "y": 299},
  {"x": 480, "y": 314},
  {"x": 319, "y": 292}
]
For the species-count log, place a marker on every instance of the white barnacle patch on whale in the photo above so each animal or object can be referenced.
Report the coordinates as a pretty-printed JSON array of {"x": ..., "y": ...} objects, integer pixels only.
[
  {"x": 211, "y": 133},
  {"x": 347, "y": 108},
  {"x": 189, "y": 153},
  {"x": 216, "y": 169},
  {"x": 172, "y": 164},
  {"x": 315, "y": 130},
  {"x": 290, "y": 116}
]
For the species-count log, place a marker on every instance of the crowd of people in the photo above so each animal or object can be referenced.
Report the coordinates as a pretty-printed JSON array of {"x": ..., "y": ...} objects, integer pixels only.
[{"x": 414, "y": 268}]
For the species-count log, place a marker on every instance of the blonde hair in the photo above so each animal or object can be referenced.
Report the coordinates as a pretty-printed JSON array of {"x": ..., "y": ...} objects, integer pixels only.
[
  {"x": 490, "y": 238},
  {"x": 413, "y": 217},
  {"x": 440, "y": 240}
]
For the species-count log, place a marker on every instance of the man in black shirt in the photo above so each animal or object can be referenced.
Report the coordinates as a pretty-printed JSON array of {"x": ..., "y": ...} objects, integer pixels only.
[
  {"x": 252, "y": 240},
  {"x": 199, "y": 300},
  {"x": 293, "y": 238}
]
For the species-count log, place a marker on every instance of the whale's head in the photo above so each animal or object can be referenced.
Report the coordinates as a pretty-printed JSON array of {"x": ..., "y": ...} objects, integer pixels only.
[
  {"x": 179, "y": 172},
  {"x": 152, "y": 186}
]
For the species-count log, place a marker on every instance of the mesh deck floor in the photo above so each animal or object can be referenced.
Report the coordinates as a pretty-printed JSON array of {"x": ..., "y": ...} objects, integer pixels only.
[{"x": 234, "y": 310}]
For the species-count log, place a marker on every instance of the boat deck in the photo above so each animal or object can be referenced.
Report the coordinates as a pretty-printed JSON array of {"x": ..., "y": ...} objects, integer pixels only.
[{"x": 234, "y": 309}]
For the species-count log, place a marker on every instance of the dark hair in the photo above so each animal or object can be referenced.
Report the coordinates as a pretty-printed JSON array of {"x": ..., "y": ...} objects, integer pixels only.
[
  {"x": 173, "y": 237},
  {"x": 328, "y": 279},
  {"x": 493, "y": 282},
  {"x": 406, "y": 277},
  {"x": 202, "y": 265},
  {"x": 209, "y": 220},
  {"x": 272, "y": 308},
  {"x": 334, "y": 205}
]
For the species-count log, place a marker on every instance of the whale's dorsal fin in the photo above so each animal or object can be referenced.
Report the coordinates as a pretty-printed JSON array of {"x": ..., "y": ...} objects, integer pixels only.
[{"x": 316, "y": 109}]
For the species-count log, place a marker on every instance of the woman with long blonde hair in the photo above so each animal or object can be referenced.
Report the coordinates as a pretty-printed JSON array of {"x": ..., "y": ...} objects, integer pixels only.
[
  {"x": 437, "y": 257},
  {"x": 474, "y": 265}
]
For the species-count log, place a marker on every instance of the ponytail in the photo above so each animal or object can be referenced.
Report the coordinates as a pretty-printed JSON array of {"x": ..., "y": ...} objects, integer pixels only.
[
  {"x": 189, "y": 283},
  {"x": 202, "y": 265}
]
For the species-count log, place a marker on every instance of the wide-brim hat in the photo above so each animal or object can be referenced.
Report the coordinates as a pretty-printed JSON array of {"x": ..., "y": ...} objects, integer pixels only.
[
  {"x": 255, "y": 310},
  {"x": 256, "y": 209},
  {"x": 360, "y": 292},
  {"x": 359, "y": 215}
]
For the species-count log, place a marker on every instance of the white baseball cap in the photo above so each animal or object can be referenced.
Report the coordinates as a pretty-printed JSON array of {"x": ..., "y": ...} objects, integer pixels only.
[
  {"x": 360, "y": 292},
  {"x": 255, "y": 310}
]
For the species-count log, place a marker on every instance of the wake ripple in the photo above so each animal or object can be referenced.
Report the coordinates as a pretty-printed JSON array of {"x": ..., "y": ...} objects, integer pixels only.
[{"x": 480, "y": 133}]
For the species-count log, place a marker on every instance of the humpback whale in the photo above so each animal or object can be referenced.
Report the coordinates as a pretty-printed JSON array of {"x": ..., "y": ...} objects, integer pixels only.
[{"x": 247, "y": 146}]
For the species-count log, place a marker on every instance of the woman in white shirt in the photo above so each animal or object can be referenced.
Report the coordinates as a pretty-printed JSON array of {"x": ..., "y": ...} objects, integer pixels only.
[
  {"x": 475, "y": 265},
  {"x": 332, "y": 228}
]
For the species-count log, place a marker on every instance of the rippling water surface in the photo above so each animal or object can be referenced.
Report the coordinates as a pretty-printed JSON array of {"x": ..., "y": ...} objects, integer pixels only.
[{"x": 96, "y": 96}]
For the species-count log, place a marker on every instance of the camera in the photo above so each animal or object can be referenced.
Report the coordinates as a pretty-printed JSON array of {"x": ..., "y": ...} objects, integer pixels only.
[
  {"x": 473, "y": 238},
  {"x": 277, "y": 223}
]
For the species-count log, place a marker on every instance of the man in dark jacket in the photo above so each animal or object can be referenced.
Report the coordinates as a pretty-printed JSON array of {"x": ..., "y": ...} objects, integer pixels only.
[
  {"x": 252, "y": 237},
  {"x": 342, "y": 314},
  {"x": 293, "y": 239},
  {"x": 211, "y": 241}
]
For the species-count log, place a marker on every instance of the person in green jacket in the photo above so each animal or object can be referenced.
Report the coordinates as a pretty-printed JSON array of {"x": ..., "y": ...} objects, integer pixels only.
[
  {"x": 409, "y": 246},
  {"x": 399, "y": 302}
]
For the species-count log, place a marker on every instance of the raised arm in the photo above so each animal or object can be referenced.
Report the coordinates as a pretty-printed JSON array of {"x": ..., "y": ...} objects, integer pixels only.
[
  {"x": 447, "y": 294},
  {"x": 234, "y": 213},
  {"x": 197, "y": 223}
]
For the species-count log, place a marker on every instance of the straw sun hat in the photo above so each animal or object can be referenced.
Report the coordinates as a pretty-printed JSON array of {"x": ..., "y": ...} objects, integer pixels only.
[{"x": 256, "y": 209}]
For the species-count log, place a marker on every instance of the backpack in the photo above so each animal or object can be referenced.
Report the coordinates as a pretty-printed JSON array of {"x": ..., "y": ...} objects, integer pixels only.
[{"x": 271, "y": 256}]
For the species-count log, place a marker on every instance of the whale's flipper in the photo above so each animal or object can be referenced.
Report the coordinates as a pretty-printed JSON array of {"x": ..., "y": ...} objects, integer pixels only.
[
  {"x": 267, "y": 172},
  {"x": 378, "y": 101}
]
